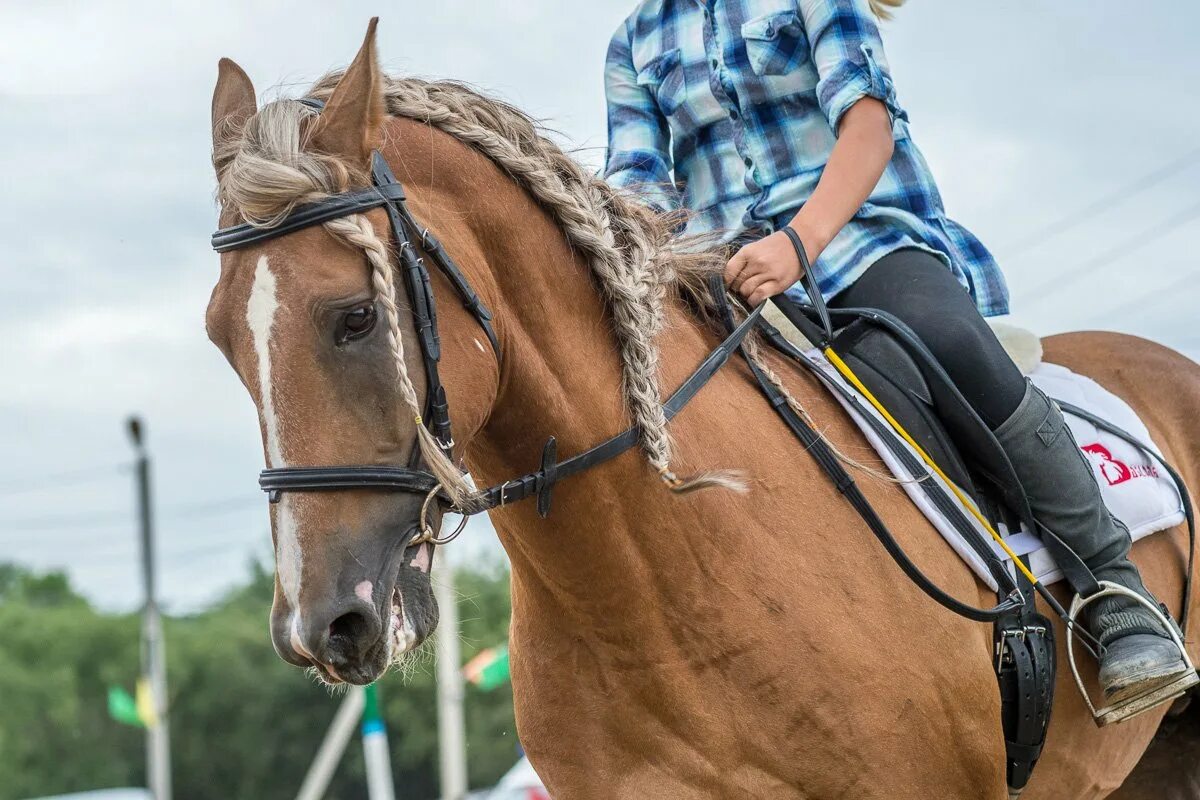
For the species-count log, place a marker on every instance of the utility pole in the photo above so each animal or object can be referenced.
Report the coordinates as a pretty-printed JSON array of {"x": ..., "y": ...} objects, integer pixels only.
[
  {"x": 154, "y": 664},
  {"x": 452, "y": 739}
]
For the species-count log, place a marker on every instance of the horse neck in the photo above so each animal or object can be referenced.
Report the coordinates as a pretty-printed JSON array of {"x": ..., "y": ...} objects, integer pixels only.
[{"x": 561, "y": 377}]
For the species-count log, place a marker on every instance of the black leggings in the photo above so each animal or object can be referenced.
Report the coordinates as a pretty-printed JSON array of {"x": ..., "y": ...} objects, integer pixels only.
[{"x": 919, "y": 289}]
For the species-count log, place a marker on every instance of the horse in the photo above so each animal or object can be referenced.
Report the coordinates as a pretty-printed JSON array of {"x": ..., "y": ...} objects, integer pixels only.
[{"x": 747, "y": 640}]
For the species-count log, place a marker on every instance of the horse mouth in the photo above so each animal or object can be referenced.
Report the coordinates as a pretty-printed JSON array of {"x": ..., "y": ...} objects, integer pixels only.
[{"x": 402, "y": 634}]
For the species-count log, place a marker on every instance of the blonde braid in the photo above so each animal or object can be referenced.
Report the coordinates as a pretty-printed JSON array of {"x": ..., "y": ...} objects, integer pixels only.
[
  {"x": 356, "y": 230},
  {"x": 620, "y": 251}
]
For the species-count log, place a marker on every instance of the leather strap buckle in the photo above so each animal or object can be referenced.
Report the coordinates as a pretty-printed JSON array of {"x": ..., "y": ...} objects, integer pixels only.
[{"x": 547, "y": 476}]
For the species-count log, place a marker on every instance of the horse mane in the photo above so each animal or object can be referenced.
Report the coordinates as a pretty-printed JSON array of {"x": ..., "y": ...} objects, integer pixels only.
[{"x": 632, "y": 252}]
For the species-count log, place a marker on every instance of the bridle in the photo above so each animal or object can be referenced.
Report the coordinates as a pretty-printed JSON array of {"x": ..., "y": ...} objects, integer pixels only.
[{"x": 387, "y": 193}]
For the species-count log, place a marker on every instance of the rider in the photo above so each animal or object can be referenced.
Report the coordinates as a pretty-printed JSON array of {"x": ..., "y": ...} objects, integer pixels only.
[{"x": 758, "y": 114}]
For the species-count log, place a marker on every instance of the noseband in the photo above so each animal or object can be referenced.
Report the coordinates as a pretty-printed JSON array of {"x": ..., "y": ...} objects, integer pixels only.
[{"x": 387, "y": 193}]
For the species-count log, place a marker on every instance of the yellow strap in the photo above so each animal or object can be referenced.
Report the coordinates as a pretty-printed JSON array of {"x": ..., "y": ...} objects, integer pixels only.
[{"x": 849, "y": 375}]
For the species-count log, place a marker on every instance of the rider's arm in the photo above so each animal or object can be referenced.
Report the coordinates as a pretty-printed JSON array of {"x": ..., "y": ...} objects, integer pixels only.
[
  {"x": 856, "y": 94},
  {"x": 639, "y": 138},
  {"x": 863, "y": 150}
]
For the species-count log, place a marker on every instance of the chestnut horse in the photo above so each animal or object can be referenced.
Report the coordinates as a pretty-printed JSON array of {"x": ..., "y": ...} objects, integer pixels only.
[{"x": 664, "y": 645}]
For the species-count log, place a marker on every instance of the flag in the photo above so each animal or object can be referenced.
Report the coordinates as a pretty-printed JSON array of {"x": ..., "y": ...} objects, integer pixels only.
[
  {"x": 122, "y": 707},
  {"x": 372, "y": 719},
  {"x": 489, "y": 668},
  {"x": 145, "y": 703}
]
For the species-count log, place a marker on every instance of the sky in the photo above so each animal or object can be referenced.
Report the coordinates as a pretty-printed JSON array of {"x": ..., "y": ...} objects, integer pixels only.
[{"x": 1064, "y": 134}]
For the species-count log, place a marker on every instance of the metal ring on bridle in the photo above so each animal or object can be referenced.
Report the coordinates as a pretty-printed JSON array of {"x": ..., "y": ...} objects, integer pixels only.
[{"x": 426, "y": 533}]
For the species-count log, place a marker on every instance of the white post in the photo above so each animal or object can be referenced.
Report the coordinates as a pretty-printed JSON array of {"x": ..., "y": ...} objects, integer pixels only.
[
  {"x": 154, "y": 660},
  {"x": 316, "y": 782},
  {"x": 375, "y": 748},
  {"x": 452, "y": 738}
]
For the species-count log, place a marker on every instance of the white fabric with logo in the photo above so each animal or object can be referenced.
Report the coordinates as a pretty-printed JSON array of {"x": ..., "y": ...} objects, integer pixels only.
[{"x": 1134, "y": 486}]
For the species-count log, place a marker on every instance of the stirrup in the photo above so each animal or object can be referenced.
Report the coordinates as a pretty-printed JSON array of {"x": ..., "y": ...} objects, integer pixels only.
[{"x": 1132, "y": 706}]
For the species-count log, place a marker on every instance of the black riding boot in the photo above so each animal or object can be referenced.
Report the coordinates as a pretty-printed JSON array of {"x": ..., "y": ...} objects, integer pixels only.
[{"x": 1138, "y": 656}]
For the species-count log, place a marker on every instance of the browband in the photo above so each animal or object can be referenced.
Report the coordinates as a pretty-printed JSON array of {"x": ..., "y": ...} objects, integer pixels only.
[{"x": 305, "y": 216}]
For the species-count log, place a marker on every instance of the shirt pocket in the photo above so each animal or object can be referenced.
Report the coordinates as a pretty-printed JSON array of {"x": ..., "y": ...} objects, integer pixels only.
[
  {"x": 775, "y": 43},
  {"x": 663, "y": 76}
]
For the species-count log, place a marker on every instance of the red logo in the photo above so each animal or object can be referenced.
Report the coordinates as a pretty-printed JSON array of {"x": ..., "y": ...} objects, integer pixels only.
[{"x": 1113, "y": 470}]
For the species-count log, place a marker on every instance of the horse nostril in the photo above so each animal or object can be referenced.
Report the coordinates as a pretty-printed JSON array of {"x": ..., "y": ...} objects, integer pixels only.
[
  {"x": 346, "y": 639},
  {"x": 349, "y": 628}
]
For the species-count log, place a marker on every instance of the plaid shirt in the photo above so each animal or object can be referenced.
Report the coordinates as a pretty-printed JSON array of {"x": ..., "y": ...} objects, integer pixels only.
[{"x": 730, "y": 108}]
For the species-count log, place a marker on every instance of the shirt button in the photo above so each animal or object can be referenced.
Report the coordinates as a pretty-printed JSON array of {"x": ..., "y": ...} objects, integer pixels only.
[
  {"x": 749, "y": 161},
  {"x": 733, "y": 113},
  {"x": 715, "y": 63}
]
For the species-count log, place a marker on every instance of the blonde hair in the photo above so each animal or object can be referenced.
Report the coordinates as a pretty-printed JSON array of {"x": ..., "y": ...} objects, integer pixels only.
[{"x": 881, "y": 7}]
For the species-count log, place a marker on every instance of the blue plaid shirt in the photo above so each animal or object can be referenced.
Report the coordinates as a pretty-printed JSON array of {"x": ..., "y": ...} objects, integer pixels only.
[{"x": 731, "y": 107}]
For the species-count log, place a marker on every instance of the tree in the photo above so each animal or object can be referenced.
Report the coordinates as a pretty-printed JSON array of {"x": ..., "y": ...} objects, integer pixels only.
[{"x": 243, "y": 723}]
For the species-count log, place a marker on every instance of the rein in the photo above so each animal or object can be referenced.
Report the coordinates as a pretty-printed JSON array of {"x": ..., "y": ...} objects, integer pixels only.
[{"x": 387, "y": 193}]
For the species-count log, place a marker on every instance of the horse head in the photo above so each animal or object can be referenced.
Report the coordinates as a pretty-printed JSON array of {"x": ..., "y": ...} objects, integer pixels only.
[{"x": 318, "y": 327}]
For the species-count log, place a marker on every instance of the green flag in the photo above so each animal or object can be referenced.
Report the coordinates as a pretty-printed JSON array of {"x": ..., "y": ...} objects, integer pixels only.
[
  {"x": 372, "y": 719},
  {"x": 122, "y": 707},
  {"x": 489, "y": 668}
]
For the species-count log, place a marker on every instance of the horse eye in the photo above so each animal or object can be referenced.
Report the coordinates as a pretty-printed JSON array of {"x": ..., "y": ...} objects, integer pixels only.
[{"x": 356, "y": 323}]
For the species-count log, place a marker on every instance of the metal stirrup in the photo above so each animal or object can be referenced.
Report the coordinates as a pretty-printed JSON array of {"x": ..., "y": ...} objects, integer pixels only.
[{"x": 1126, "y": 709}]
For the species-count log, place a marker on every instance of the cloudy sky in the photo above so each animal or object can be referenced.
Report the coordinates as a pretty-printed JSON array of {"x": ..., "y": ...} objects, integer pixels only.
[{"x": 1064, "y": 134}]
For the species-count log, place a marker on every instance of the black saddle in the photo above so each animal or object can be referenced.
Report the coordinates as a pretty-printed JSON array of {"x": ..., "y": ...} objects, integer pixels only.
[{"x": 895, "y": 366}]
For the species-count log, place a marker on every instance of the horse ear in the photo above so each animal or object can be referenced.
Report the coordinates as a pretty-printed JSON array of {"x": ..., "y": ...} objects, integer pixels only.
[
  {"x": 351, "y": 124},
  {"x": 233, "y": 103}
]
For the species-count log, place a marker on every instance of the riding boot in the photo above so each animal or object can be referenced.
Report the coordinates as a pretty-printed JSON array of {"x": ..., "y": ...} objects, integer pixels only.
[{"x": 1138, "y": 654}]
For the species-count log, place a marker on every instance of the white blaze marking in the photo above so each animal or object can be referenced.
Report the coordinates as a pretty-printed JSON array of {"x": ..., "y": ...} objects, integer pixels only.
[
  {"x": 297, "y": 642},
  {"x": 260, "y": 316}
]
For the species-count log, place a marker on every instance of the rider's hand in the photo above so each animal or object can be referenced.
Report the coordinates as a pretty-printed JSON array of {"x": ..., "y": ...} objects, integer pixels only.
[{"x": 763, "y": 268}]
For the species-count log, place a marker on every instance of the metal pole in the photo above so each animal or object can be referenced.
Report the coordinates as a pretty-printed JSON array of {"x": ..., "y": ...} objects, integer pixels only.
[
  {"x": 452, "y": 739},
  {"x": 316, "y": 782},
  {"x": 154, "y": 666},
  {"x": 375, "y": 748}
]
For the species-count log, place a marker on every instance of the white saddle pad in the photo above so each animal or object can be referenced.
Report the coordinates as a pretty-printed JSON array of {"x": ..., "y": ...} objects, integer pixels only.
[{"x": 1135, "y": 488}]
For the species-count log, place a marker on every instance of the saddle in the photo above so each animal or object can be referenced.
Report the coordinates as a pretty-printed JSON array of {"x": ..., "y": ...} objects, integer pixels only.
[
  {"x": 921, "y": 399},
  {"x": 926, "y": 414}
]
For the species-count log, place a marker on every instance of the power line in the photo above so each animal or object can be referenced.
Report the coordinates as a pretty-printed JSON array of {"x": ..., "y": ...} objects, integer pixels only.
[
  {"x": 1154, "y": 296},
  {"x": 1073, "y": 220},
  {"x": 93, "y": 519},
  {"x": 55, "y": 481},
  {"x": 112, "y": 518},
  {"x": 1113, "y": 254},
  {"x": 101, "y": 550},
  {"x": 210, "y": 508}
]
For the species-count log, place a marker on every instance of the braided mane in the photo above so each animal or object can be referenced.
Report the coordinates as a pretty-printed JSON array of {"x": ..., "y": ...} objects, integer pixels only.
[{"x": 265, "y": 173}]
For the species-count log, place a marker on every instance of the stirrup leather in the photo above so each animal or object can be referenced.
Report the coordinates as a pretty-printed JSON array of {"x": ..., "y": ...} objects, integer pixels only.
[{"x": 1132, "y": 706}]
